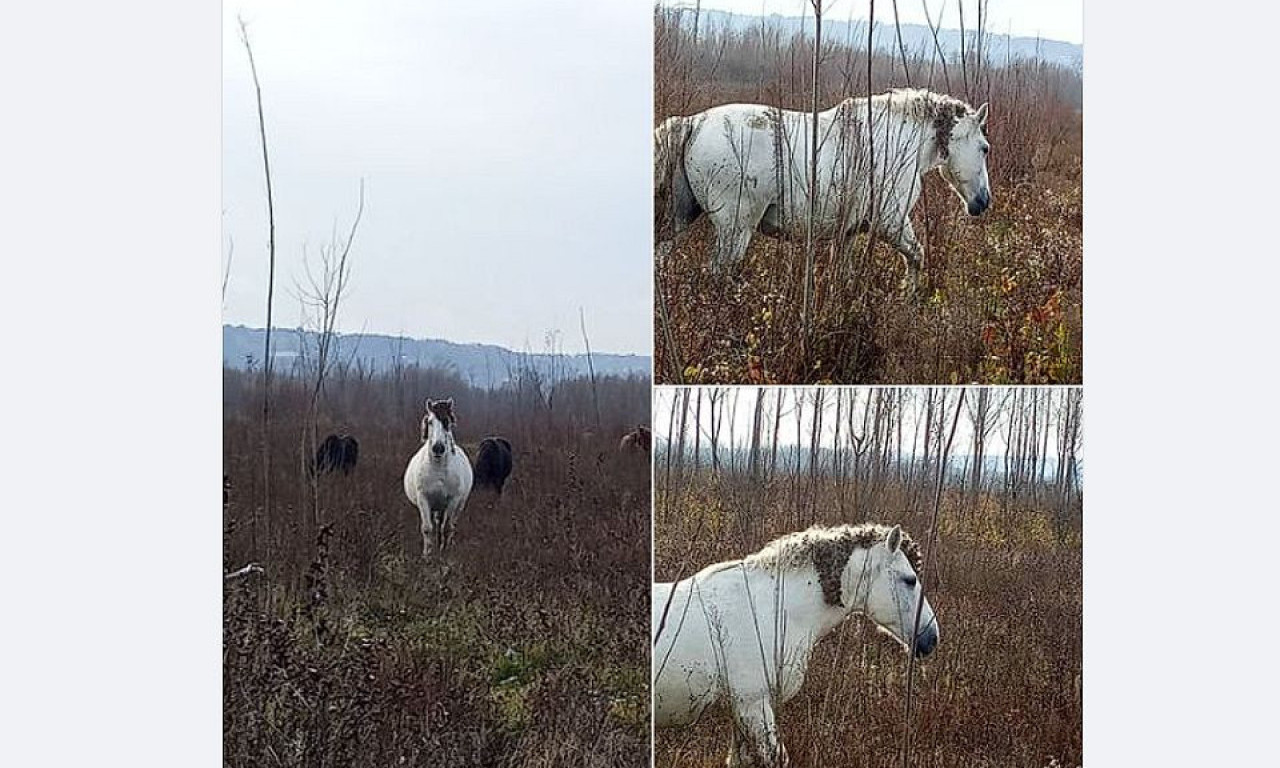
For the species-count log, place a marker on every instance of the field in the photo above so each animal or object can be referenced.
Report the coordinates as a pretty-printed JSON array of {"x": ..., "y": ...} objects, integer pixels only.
[
  {"x": 1001, "y": 301},
  {"x": 1004, "y": 577},
  {"x": 529, "y": 648}
]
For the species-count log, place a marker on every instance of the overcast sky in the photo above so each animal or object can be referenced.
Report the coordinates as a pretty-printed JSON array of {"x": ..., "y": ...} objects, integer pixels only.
[
  {"x": 1050, "y": 19},
  {"x": 505, "y": 151}
]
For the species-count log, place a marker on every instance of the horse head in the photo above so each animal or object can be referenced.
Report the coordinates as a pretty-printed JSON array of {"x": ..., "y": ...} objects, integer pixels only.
[
  {"x": 895, "y": 593},
  {"x": 437, "y": 428},
  {"x": 963, "y": 147}
]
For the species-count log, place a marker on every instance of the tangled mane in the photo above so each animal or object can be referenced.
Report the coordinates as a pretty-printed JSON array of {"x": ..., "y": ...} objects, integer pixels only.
[
  {"x": 938, "y": 109},
  {"x": 828, "y": 548},
  {"x": 443, "y": 411}
]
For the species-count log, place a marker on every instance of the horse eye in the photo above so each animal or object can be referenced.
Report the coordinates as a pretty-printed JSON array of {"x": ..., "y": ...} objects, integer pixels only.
[
  {"x": 909, "y": 580},
  {"x": 986, "y": 150}
]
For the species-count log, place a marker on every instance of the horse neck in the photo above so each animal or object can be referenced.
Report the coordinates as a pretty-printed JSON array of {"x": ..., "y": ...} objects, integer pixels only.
[
  {"x": 855, "y": 586},
  {"x": 804, "y": 602},
  {"x": 922, "y": 141},
  {"x": 919, "y": 140}
]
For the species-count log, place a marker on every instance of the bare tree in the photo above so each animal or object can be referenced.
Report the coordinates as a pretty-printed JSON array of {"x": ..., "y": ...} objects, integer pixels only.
[
  {"x": 586, "y": 342},
  {"x": 777, "y": 423},
  {"x": 271, "y": 283},
  {"x": 815, "y": 447},
  {"x": 684, "y": 417},
  {"x": 928, "y": 558},
  {"x": 715, "y": 398},
  {"x": 321, "y": 294},
  {"x": 697, "y": 429},
  {"x": 984, "y": 412},
  {"x": 810, "y": 245},
  {"x": 756, "y": 418}
]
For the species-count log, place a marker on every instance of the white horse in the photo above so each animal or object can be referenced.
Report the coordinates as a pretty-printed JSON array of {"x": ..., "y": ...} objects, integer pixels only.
[
  {"x": 747, "y": 167},
  {"x": 739, "y": 634},
  {"x": 438, "y": 478}
]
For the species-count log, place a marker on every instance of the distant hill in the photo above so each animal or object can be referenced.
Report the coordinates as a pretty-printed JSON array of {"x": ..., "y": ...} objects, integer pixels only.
[
  {"x": 483, "y": 365},
  {"x": 916, "y": 37}
]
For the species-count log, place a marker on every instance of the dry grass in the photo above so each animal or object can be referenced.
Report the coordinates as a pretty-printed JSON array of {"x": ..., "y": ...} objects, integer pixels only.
[
  {"x": 1004, "y": 686},
  {"x": 530, "y": 649},
  {"x": 1003, "y": 296}
]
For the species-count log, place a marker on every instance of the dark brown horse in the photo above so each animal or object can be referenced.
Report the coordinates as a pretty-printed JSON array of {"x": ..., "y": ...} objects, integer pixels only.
[
  {"x": 493, "y": 463},
  {"x": 636, "y": 440},
  {"x": 337, "y": 452}
]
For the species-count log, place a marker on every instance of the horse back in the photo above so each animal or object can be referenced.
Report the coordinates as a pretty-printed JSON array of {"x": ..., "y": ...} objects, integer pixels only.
[{"x": 493, "y": 462}]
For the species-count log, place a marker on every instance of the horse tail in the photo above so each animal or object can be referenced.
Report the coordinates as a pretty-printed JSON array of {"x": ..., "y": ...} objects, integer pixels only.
[{"x": 671, "y": 191}]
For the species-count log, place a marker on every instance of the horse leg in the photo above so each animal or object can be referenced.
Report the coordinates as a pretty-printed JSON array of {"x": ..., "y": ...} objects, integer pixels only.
[
  {"x": 734, "y": 225},
  {"x": 904, "y": 241},
  {"x": 735, "y": 746},
  {"x": 450, "y": 522},
  {"x": 431, "y": 523},
  {"x": 675, "y": 205},
  {"x": 731, "y": 246},
  {"x": 758, "y": 741},
  {"x": 428, "y": 544}
]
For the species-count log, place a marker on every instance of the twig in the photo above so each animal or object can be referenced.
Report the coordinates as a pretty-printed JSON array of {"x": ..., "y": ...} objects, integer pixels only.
[{"x": 248, "y": 570}]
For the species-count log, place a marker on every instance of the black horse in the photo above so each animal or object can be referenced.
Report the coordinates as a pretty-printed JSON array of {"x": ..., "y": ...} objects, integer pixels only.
[
  {"x": 493, "y": 463},
  {"x": 337, "y": 452}
]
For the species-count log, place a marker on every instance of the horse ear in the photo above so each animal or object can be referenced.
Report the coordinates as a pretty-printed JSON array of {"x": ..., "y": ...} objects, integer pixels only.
[
  {"x": 982, "y": 115},
  {"x": 894, "y": 539}
]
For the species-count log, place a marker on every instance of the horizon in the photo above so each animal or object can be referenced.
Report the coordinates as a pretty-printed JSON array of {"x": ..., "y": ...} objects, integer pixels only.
[
  {"x": 1050, "y": 20},
  {"x": 562, "y": 350}
]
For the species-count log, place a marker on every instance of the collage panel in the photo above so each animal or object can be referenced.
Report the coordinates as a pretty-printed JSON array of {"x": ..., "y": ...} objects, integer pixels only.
[
  {"x": 868, "y": 576},
  {"x": 851, "y": 196},
  {"x": 435, "y": 393}
]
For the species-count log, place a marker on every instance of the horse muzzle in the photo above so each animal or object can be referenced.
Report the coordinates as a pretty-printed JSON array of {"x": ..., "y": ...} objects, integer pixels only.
[
  {"x": 979, "y": 203},
  {"x": 926, "y": 641}
]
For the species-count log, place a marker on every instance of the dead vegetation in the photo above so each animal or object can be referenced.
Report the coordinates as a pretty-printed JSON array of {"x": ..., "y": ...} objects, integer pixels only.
[{"x": 347, "y": 650}]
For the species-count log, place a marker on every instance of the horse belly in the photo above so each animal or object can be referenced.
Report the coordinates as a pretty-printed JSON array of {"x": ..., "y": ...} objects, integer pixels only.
[
  {"x": 437, "y": 498},
  {"x": 411, "y": 480},
  {"x": 681, "y": 691},
  {"x": 462, "y": 475}
]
